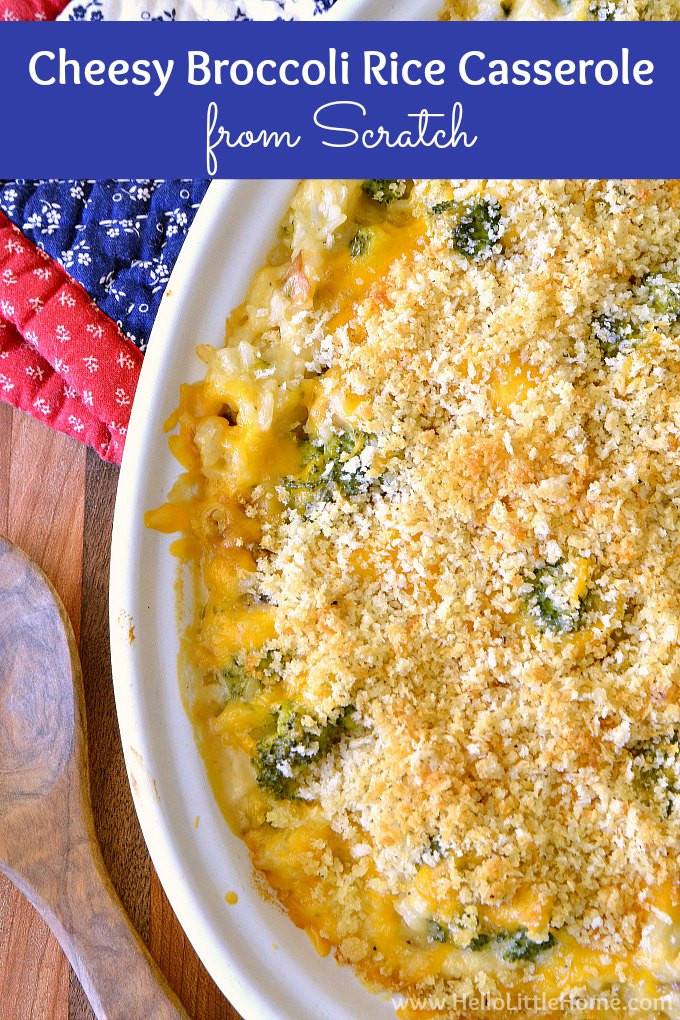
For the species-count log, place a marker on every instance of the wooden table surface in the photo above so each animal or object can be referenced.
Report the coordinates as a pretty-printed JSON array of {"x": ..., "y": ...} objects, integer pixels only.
[{"x": 56, "y": 503}]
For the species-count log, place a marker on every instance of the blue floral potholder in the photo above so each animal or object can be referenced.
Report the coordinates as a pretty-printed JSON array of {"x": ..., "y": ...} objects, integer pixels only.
[{"x": 119, "y": 239}]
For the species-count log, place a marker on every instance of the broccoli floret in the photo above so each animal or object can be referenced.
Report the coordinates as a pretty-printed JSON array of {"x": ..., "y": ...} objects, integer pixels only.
[
  {"x": 446, "y": 206},
  {"x": 386, "y": 191},
  {"x": 664, "y": 294},
  {"x": 437, "y": 932},
  {"x": 602, "y": 10},
  {"x": 234, "y": 680},
  {"x": 480, "y": 941},
  {"x": 435, "y": 847},
  {"x": 617, "y": 334},
  {"x": 476, "y": 231},
  {"x": 549, "y": 602},
  {"x": 329, "y": 467},
  {"x": 614, "y": 335},
  {"x": 514, "y": 946},
  {"x": 518, "y": 946},
  {"x": 343, "y": 450},
  {"x": 244, "y": 675},
  {"x": 361, "y": 242},
  {"x": 656, "y": 767},
  {"x": 283, "y": 755}
]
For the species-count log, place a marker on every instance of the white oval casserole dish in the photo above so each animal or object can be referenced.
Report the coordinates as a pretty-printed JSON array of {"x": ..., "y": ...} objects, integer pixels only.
[{"x": 264, "y": 965}]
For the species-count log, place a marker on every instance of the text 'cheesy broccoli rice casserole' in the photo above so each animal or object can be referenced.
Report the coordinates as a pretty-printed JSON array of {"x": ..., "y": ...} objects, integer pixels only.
[{"x": 432, "y": 490}]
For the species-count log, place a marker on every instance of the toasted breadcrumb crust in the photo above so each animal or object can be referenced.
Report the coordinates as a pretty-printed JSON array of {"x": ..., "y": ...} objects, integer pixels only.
[
  {"x": 495, "y": 753},
  {"x": 561, "y": 10},
  {"x": 505, "y": 741}
]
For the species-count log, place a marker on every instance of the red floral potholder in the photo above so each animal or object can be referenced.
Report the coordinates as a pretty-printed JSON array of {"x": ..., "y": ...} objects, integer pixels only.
[{"x": 61, "y": 358}]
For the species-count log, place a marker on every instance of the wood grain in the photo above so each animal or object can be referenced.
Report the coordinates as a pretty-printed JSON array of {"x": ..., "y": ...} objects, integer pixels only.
[
  {"x": 48, "y": 846},
  {"x": 42, "y": 492},
  {"x": 123, "y": 846},
  {"x": 187, "y": 975},
  {"x": 6, "y": 415},
  {"x": 120, "y": 837},
  {"x": 33, "y": 975},
  {"x": 46, "y": 502},
  {"x": 57, "y": 502}
]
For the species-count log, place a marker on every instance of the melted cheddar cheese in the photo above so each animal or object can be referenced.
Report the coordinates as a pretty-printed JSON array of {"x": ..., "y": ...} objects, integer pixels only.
[
  {"x": 561, "y": 10},
  {"x": 430, "y": 503}
]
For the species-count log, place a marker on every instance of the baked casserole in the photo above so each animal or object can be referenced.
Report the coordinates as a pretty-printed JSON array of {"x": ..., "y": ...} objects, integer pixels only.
[
  {"x": 561, "y": 10},
  {"x": 431, "y": 499}
]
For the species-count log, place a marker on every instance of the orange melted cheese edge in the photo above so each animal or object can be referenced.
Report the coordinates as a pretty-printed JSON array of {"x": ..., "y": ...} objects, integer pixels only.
[{"x": 291, "y": 858}]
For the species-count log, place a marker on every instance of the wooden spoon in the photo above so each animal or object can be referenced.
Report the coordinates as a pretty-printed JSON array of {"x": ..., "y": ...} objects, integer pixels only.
[{"x": 48, "y": 846}]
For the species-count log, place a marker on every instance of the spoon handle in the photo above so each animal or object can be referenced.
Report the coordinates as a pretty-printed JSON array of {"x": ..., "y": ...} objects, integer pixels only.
[{"x": 117, "y": 973}]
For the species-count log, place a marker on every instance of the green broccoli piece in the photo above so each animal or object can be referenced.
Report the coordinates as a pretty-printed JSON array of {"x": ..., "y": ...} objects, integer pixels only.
[
  {"x": 614, "y": 335},
  {"x": 244, "y": 676},
  {"x": 342, "y": 450},
  {"x": 618, "y": 334},
  {"x": 602, "y": 10},
  {"x": 233, "y": 679},
  {"x": 436, "y": 932},
  {"x": 514, "y": 946},
  {"x": 518, "y": 946},
  {"x": 549, "y": 603},
  {"x": 656, "y": 767},
  {"x": 361, "y": 242},
  {"x": 664, "y": 294},
  {"x": 445, "y": 206},
  {"x": 434, "y": 846},
  {"x": 385, "y": 192},
  {"x": 329, "y": 467},
  {"x": 480, "y": 941},
  {"x": 476, "y": 231},
  {"x": 283, "y": 754}
]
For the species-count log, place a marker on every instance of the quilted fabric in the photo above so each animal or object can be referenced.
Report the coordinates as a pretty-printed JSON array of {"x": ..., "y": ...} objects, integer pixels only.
[
  {"x": 193, "y": 10},
  {"x": 161, "y": 10},
  {"x": 61, "y": 359},
  {"x": 119, "y": 239}
]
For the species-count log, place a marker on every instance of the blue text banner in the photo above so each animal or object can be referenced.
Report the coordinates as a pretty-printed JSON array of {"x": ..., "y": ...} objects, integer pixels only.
[{"x": 338, "y": 99}]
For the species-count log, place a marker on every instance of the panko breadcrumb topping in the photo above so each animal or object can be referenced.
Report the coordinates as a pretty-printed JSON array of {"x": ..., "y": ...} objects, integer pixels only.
[
  {"x": 433, "y": 486},
  {"x": 561, "y": 10},
  {"x": 508, "y": 742}
]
